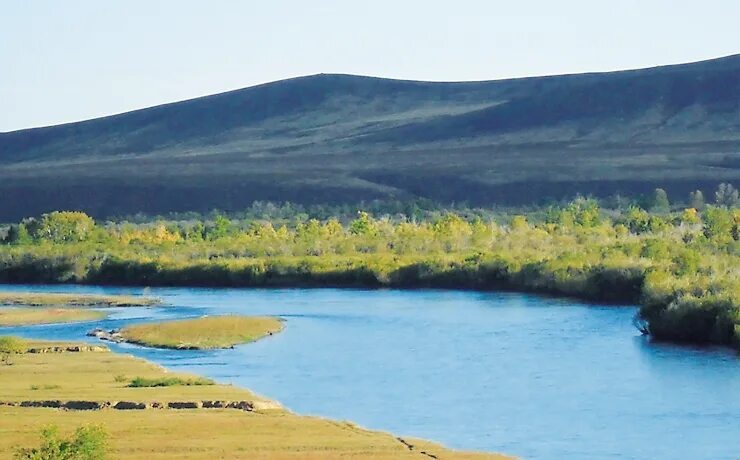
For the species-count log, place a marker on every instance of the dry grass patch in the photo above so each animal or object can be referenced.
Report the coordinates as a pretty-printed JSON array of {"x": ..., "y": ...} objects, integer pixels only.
[
  {"x": 220, "y": 434},
  {"x": 32, "y": 299},
  {"x": 202, "y": 333},
  {"x": 29, "y": 316}
]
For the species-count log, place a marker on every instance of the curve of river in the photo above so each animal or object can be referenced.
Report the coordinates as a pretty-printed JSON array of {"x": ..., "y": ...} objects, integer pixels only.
[{"x": 532, "y": 376}]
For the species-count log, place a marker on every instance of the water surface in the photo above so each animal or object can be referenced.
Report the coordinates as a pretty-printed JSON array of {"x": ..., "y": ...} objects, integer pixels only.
[{"x": 536, "y": 377}]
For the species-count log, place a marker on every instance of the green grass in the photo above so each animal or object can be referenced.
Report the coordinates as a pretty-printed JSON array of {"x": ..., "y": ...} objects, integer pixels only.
[
  {"x": 74, "y": 300},
  {"x": 142, "y": 382},
  {"x": 202, "y": 333},
  {"x": 29, "y": 316}
]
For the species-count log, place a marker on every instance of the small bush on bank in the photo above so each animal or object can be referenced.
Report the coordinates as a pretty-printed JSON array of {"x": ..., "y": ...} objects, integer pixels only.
[
  {"x": 141, "y": 382},
  {"x": 88, "y": 442}
]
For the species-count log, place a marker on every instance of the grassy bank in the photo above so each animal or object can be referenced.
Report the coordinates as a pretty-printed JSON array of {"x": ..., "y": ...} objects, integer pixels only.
[
  {"x": 28, "y": 316},
  {"x": 74, "y": 300},
  {"x": 202, "y": 333},
  {"x": 163, "y": 434}
]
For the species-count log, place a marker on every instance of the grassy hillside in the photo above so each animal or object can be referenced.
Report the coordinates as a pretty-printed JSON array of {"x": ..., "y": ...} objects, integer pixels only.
[{"x": 342, "y": 138}]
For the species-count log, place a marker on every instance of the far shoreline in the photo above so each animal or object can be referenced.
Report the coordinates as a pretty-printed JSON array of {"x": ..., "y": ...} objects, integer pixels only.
[{"x": 337, "y": 286}]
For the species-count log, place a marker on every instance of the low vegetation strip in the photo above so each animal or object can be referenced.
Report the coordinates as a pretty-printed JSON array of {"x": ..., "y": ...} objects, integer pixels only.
[
  {"x": 141, "y": 382},
  {"x": 74, "y": 300},
  {"x": 202, "y": 333},
  {"x": 26, "y": 316},
  {"x": 175, "y": 422}
]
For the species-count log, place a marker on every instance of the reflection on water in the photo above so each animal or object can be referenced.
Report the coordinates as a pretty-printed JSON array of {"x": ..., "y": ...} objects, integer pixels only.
[{"x": 536, "y": 377}]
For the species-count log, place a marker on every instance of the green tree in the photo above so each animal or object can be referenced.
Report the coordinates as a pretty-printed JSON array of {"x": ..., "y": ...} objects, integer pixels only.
[
  {"x": 18, "y": 234},
  {"x": 657, "y": 224},
  {"x": 696, "y": 200},
  {"x": 363, "y": 225},
  {"x": 89, "y": 442},
  {"x": 655, "y": 248},
  {"x": 64, "y": 227},
  {"x": 333, "y": 228},
  {"x": 452, "y": 231},
  {"x": 687, "y": 262},
  {"x": 718, "y": 224},
  {"x": 690, "y": 216},
  {"x": 218, "y": 229},
  {"x": 637, "y": 220},
  {"x": 519, "y": 222},
  {"x": 585, "y": 212},
  {"x": 195, "y": 232},
  {"x": 558, "y": 215},
  {"x": 727, "y": 195},
  {"x": 660, "y": 202}
]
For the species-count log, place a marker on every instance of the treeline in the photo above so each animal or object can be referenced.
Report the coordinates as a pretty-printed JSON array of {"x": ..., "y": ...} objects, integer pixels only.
[
  {"x": 425, "y": 210},
  {"x": 681, "y": 265}
]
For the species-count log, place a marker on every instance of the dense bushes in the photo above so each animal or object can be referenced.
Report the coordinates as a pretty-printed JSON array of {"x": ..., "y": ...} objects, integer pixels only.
[
  {"x": 682, "y": 267},
  {"x": 88, "y": 442},
  {"x": 691, "y": 319}
]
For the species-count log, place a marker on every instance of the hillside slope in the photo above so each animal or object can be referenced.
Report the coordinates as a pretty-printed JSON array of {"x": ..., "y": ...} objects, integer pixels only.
[{"x": 343, "y": 138}]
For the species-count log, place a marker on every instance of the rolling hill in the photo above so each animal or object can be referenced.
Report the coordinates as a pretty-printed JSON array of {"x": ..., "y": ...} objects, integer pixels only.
[{"x": 343, "y": 138}]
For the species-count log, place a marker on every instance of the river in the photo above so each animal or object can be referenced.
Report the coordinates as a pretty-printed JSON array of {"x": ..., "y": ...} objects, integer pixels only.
[{"x": 531, "y": 376}]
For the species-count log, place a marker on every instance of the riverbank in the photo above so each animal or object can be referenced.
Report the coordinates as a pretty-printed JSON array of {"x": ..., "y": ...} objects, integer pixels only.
[{"x": 177, "y": 421}]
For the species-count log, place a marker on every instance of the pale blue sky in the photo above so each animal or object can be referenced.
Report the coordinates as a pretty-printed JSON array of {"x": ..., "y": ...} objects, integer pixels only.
[{"x": 70, "y": 60}]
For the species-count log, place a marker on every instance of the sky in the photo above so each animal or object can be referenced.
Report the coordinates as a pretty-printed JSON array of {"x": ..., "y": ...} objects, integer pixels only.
[{"x": 63, "y": 61}]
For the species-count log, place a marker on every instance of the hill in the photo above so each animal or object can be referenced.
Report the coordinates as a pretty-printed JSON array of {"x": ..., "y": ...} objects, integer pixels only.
[{"x": 344, "y": 138}]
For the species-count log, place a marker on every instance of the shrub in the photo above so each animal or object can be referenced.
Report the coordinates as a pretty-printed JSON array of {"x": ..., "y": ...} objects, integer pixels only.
[
  {"x": 519, "y": 223},
  {"x": 141, "y": 382},
  {"x": 45, "y": 387},
  {"x": 691, "y": 319},
  {"x": 65, "y": 226},
  {"x": 88, "y": 443}
]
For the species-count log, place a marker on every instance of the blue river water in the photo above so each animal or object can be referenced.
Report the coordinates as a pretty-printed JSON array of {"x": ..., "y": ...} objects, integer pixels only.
[{"x": 531, "y": 376}]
